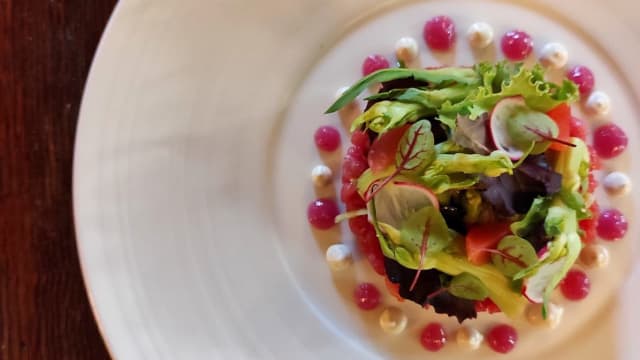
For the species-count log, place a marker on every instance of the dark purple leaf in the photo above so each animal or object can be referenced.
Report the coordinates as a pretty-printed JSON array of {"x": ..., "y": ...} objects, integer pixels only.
[
  {"x": 535, "y": 175},
  {"x": 538, "y": 236},
  {"x": 513, "y": 194},
  {"x": 430, "y": 289},
  {"x": 453, "y": 213},
  {"x": 445, "y": 303}
]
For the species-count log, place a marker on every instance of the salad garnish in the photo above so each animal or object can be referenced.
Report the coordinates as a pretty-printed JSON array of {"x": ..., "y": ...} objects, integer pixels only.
[{"x": 474, "y": 187}]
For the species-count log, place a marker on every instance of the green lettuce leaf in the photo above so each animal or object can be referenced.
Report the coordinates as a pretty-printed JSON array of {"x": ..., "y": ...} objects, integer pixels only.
[
  {"x": 386, "y": 115},
  {"x": 536, "y": 214},
  {"x": 467, "y": 286},
  {"x": 413, "y": 229},
  {"x": 494, "y": 164},
  {"x": 563, "y": 251},
  {"x": 573, "y": 165},
  {"x": 428, "y": 98},
  {"x": 459, "y": 75},
  {"x": 498, "y": 285},
  {"x": 441, "y": 183},
  {"x": 415, "y": 150},
  {"x": 516, "y": 248}
]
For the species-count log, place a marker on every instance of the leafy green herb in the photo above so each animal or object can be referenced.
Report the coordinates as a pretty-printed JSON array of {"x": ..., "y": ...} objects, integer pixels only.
[
  {"x": 515, "y": 254},
  {"x": 469, "y": 287},
  {"x": 415, "y": 153},
  {"x": 425, "y": 224},
  {"x": 532, "y": 219}
]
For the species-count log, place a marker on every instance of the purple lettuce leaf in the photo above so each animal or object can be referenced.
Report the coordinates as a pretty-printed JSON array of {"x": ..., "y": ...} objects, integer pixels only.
[{"x": 513, "y": 194}]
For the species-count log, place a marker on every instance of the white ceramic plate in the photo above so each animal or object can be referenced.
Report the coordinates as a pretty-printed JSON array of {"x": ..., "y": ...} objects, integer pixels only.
[{"x": 192, "y": 165}]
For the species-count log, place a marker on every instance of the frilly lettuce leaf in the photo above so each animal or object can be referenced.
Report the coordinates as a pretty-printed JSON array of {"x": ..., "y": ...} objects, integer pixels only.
[
  {"x": 454, "y": 91},
  {"x": 539, "y": 95}
]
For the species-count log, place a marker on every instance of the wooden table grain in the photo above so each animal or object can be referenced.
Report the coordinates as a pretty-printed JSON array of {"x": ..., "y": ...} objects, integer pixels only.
[{"x": 46, "y": 48}]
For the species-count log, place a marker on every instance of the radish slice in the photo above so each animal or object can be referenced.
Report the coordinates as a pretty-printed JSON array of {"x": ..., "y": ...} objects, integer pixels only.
[
  {"x": 396, "y": 201},
  {"x": 536, "y": 285},
  {"x": 514, "y": 127}
]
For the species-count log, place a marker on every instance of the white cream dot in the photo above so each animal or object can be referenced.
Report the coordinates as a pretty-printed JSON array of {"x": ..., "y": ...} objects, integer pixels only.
[
  {"x": 406, "y": 49},
  {"x": 338, "y": 257},
  {"x": 598, "y": 103},
  {"x": 617, "y": 183},
  {"x": 469, "y": 337},
  {"x": 321, "y": 175},
  {"x": 480, "y": 35},
  {"x": 393, "y": 320},
  {"x": 554, "y": 55}
]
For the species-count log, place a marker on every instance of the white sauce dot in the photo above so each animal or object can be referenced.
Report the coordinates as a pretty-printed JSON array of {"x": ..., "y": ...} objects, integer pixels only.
[
  {"x": 594, "y": 256},
  {"x": 554, "y": 315},
  {"x": 598, "y": 103},
  {"x": 406, "y": 49},
  {"x": 393, "y": 320},
  {"x": 554, "y": 55},
  {"x": 469, "y": 337},
  {"x": 617, "y": 183},
  {"x": 321, "y": 175},
  {"x": 480, "y": 35},
  {"x": 338, "y": 257}
]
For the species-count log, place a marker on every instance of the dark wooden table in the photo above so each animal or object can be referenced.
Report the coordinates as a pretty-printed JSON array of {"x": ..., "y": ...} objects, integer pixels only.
[{"x": 46, "y": 47}]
